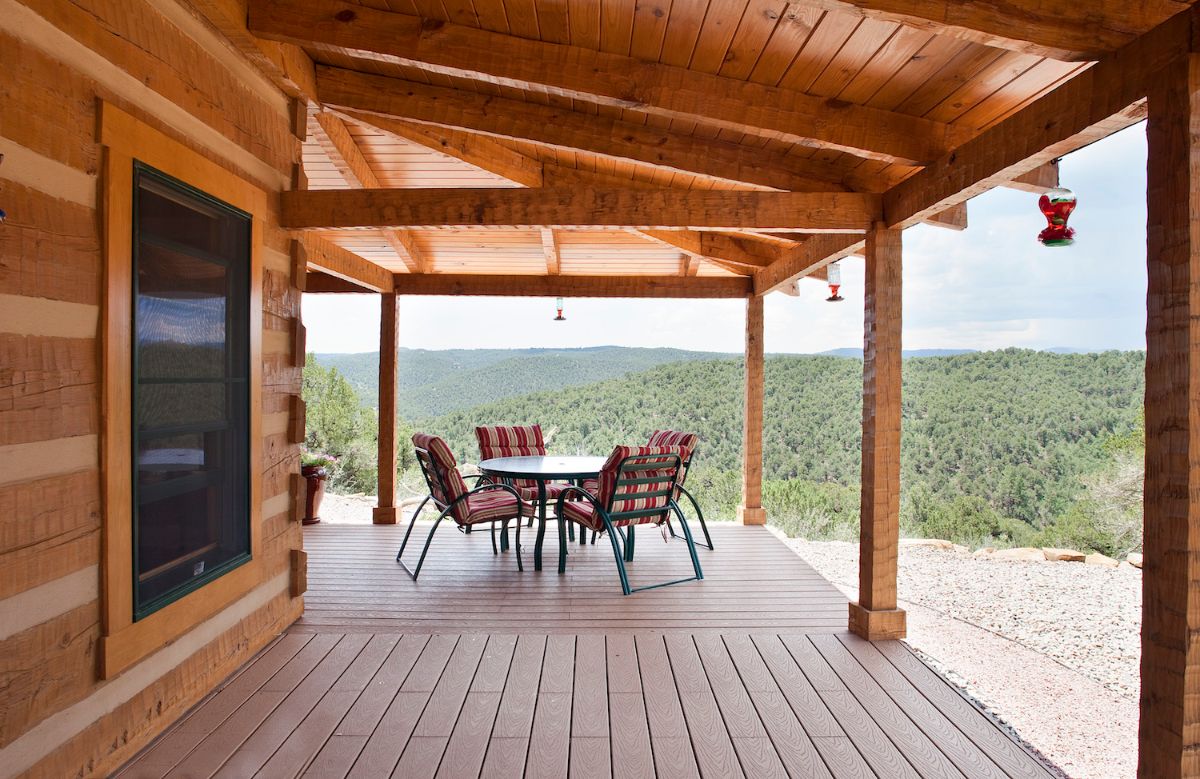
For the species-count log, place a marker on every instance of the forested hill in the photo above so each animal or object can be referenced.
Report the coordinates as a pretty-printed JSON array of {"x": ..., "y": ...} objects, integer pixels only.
[
  {"x": 1015, "y": 428},
  {"x": 437, "y": 382}
]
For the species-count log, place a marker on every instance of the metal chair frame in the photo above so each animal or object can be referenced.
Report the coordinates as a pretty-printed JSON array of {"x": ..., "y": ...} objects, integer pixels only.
[
  {"x": 632, "y": 465},
  {"x": 708, "y": 542},
  {"x": 426, "y": 462}
]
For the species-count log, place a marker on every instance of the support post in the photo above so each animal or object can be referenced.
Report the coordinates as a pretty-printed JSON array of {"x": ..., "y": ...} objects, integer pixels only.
[
  {"x": 751, "y": 512},
  {"x": 385, "y": 512},
  {"x": 875, "y": 616},
  {"x": 1169, "y": 729}
]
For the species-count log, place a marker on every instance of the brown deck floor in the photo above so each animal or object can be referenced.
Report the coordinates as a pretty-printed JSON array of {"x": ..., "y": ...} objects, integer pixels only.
[{"x": 480, "y": 671}]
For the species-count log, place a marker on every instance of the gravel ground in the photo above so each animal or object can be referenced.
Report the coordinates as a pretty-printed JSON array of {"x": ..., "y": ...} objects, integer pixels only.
[{"x": 1052, "y": 649}]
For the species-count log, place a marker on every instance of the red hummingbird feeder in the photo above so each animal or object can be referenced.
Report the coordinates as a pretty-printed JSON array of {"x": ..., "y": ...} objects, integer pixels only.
[
  {"x": 558, "y": 304},
  {"x": 834, "y": 276},
  {"x": 1057, "y": 205}
]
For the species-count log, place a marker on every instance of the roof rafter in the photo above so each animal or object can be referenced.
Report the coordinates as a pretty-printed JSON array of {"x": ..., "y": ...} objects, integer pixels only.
[
  {"x": 820, "y": 212},
  {"x": 603, "y": 78},
  {"x": 572, "y": 130},
  {"x": 342, "y": 150},
  {"x": 341, "y": 263},
  {"x": 1038, "y": 180},
  {"x": 550, "y": 249},
  {"x": 1063, "y": 31},
  {"x": 805, "y": 260}
]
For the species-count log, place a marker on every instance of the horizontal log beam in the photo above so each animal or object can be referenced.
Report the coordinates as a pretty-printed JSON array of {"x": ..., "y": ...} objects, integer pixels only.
[
  {"x": 561, "y": 128},
  {"x": 1094, "y": 104},
  {"x": 805, "y": 260},
  {"x": 573, "y": 286},
  {"x": 837, "y": 212},
  {"x": 320, "y": 283},
  {"x": 602, "y": 78},
  {"x": 953, "y": 218},
  {"x": 1062, "y": 31},
  {"x": 344, "y": 264}
]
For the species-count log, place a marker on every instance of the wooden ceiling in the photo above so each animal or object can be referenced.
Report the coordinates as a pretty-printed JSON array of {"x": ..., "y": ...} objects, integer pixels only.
[{"x": 841, "y": 99}]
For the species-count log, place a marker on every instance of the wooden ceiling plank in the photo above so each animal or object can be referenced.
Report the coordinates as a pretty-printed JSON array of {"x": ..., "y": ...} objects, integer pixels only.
[
  {"x": 344, "y": 264},
  {"x": 1092, "y": 105},
  {"x": 807, "y": 259},
  {"x": 1063, "y": 31},
  {"x": 602, "y": 78},
  {"x": 361, "y": 93},
  {"x": 669, "y": 286},
  {"x": 348, "y": 158},
  {"x": 840, "y": 212}
]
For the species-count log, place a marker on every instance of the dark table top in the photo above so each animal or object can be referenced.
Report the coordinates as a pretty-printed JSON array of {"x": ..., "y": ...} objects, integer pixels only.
[{"x": 543, "y": 467}]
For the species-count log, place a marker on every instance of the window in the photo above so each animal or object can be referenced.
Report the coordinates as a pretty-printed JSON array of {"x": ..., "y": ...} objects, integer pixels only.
[
  {"x": 182, "y": 425},
  {"x": 190, "y": 389}
]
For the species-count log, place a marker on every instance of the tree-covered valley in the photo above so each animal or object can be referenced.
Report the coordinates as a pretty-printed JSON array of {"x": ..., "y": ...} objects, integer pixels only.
[{"x": 1009, "y": 447}]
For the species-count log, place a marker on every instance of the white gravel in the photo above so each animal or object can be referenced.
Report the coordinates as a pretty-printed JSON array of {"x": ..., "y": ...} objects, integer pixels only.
[{"x": 1052, "y": 649}]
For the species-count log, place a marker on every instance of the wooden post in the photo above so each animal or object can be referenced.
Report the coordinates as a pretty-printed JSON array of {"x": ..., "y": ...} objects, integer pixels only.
[
  {"x": 751, "y": 512},
  {"x": 1169, "y": 730},
  {"x": 385, "y": 512},
  {"x": 875, "y": 616}
]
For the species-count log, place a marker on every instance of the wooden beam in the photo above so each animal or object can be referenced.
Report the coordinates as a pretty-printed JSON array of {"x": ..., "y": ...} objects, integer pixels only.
[
  {"x": 743, "y": 253},
  {"x": 550, "y": 249},
  {"x": 1090, "y": 106},
  {"x": 1169, "y": 728},
  {"x": 953, "y": 218},
  {"x": 751, "y": 511},
  {"x": 1036, "y": 181},
  {"x": 562, "y": 128},
  {"x": 385, "y": 512},
  {"x": 602, "y": 78},
  {"x": 321, "y": 283},
  {"x": 477, "y": 150},
  {"x": 875, "y": 616},
  {"x": 809, "y": 257},
  {"x": 572, "y": 286},
  {"x": 1063, "y": 31},
  {"x": 837, "y": 212},
  {"x": 343, "y": 151},
  {"x": 344, "y": 264}
]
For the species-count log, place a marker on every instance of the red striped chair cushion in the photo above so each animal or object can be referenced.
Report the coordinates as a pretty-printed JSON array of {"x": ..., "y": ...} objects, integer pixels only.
[
  {"x": 446, "y": 468},
  {"x": 678, "y": 438},
  {"x": 512, "y": 441},
  {"x": 610, "y": 496},
  {"x": 493, "y": 505}
]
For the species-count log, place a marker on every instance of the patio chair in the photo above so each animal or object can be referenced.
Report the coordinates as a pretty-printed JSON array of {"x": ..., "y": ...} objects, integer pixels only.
[
  {"x": 687, "y": 441},
  {"x": 636, "y": 487},
  {"x": 516, "y": 441},
  {"x": 489, "y": 502}
]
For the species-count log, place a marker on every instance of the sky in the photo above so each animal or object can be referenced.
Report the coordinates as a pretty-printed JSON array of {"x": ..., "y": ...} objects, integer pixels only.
[{"x": 991, "y": 286}]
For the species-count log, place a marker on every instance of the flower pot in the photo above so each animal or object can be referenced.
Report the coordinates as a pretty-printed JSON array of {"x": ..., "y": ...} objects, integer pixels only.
[{"x": 315, "y": 477}]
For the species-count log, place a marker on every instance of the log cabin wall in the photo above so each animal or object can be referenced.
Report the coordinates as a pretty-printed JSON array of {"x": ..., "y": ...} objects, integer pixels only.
[{"x": 166, "y": 65}]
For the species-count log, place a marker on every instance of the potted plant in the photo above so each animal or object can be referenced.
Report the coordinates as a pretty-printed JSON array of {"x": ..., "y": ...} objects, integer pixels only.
[{"x": 315, "y": 468}]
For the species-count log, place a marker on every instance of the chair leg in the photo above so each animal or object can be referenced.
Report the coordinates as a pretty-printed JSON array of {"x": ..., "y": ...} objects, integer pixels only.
[
  {"x": 517, "y": 543},
  {"x": 504, "y": 534},
  {"x": 691, "y": 544},
  {"x": 421, "y": 505},
  {"x": 411, "y": 524},
  {"x": 616, "y": 545},
  {"x": 424, "y": 551},
  {"x": 495, "y": 551},
  {"x": 629, "y": 539},
  {"x": 571, "y": 532},
  {"x": 699, "y": 515}
]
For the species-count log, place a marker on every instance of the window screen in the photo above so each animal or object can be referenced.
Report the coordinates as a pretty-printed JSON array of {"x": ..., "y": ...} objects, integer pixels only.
[{"x": 191, "y": 397}]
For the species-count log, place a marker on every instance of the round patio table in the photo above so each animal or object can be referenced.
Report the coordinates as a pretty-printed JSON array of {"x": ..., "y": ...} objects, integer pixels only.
[{"x": 543, "y": 469}]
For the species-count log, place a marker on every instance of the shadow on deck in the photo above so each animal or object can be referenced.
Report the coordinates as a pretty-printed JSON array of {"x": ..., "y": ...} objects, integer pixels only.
[{"x": 478, "y": 670}]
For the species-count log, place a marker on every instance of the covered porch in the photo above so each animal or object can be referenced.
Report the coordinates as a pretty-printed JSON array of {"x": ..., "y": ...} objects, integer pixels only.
[{"x": 480, "y": 671}]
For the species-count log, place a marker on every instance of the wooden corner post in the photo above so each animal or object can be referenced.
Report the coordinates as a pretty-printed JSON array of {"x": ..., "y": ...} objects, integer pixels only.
[
  {"x": 751, "y": 512},
  {"x": 875, "y": 616},
  {"x": 385, "y": 512},
  {"x": 1169, "y": 730}
]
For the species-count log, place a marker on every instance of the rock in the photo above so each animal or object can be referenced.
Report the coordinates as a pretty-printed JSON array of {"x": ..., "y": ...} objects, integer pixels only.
[
  {"x": 1134, "y": 559},
  {"x": 1098, "y": 559},
  {"x": 1063, "y": 555},
  {"x": 961, "y": 549},
  {"x": 1023, "y": 554},
  {"x": 986, "y": 551},
  {"x": 931, "y": 543}
]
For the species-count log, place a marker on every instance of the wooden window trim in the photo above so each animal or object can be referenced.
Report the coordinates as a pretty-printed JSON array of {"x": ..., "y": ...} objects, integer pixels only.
[{"x": 125, "y": 139}]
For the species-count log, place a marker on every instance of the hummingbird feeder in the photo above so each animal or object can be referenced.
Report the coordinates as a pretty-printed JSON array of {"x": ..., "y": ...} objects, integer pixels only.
[
  {"x": 558, "y": 304},
  {"x": 1057, "y": 205},
  {"x": 834, "y": 276}
]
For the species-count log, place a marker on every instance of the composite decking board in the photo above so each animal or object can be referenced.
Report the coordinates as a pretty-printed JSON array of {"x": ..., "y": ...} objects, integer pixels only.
[{"x": 661, "y": 684}]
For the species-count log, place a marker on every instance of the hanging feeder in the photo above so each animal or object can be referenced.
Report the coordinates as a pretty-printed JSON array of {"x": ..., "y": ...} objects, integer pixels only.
[
  {"x": 1057, "y": 205},
  {"x": 834, "y": 275},
  {"x": 558, "y": 304}
]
